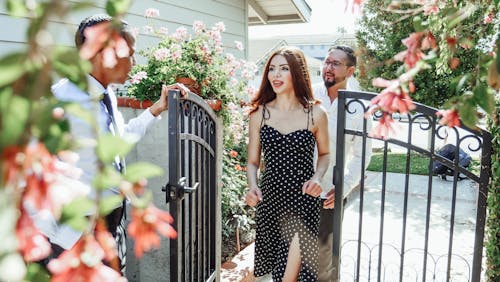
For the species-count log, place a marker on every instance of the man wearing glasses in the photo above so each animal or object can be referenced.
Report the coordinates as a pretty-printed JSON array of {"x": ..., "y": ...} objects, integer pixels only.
[{"x": 337, "y": 74}]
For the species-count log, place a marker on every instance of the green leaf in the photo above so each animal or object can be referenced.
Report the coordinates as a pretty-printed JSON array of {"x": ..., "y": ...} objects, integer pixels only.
[
  {"x": 74, "y": 214},
  {"x": 483, "y": 98},
  {"x": 37, "y": 273},
  {"x": 109, "y": 146},
  {"x": 12, "y": 68},
  {"x": 109, "y": 203},
  {"x": 117, "y": 7},
  {"x": 468, "y": 113},
  {"x": 417, "y": 23},
  {"x": 109, "y": 178},
  {"x": 140, "y": 170},
  {"x": 79, "y": 112},
  {"x": 15, "y": 112},
  {"x": 498, "y": 55},
  {"x": 463, "y": 80},
  {"x": 16, "y": 8},
  {"x": 67, "y": 63}
]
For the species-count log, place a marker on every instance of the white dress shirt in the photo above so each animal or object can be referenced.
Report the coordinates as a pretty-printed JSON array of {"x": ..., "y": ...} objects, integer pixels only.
[
  {"x": 353, "y": 144},
  {"x": 82, "y": 132}
]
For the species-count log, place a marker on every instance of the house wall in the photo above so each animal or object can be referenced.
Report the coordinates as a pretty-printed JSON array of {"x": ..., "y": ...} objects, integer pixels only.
[
  {"x": 152, "y": 148},
  {"x": 173, "y": 13}
]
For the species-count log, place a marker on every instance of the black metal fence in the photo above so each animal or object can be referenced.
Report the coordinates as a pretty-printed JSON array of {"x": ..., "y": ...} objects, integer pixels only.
[
  {"x": 192, "y": 191},
  {"x": 406, "y": 227}
]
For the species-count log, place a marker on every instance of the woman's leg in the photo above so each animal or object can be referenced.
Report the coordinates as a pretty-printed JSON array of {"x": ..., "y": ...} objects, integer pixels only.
[{"x": 294, "y": 261}]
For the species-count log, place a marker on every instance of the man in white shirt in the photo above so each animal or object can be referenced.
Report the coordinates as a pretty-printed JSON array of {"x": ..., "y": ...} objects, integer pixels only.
[
  {"x": 109, "y": 119},
  {"x": 337, "y": 73}
]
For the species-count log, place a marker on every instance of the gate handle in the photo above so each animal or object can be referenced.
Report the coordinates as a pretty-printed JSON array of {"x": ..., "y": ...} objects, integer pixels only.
[{"x": 176, "y": 191}]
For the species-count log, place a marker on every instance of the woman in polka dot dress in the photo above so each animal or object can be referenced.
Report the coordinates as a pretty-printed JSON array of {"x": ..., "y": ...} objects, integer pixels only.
[{"x": 286, "y": 125}]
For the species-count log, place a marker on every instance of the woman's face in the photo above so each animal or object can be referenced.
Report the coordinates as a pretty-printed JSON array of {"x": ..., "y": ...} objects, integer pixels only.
[{"x": 279, "y": 75}]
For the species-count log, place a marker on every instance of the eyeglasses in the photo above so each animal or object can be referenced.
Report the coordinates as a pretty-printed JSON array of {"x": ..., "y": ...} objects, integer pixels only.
[{"x": 334, "y": 64}]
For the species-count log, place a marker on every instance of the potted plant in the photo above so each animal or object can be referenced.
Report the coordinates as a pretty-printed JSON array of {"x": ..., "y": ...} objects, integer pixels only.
[{"x": 197, "y": 60}]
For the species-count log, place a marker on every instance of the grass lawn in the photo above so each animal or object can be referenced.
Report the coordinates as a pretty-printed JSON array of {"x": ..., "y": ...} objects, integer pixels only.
[{"x": 419, "y": 164}]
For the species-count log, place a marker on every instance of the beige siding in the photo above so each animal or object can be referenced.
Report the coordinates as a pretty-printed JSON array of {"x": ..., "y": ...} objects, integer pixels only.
[{"x": 173, "y": 13}]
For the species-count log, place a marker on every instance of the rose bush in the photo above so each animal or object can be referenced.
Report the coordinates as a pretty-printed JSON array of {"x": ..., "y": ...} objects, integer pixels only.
[{"x": 199, "y": 56}]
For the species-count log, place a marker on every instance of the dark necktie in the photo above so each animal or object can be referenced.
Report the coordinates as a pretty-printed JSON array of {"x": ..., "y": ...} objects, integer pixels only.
[
  {"x": 110, "y": 122},
  {"x": 119, "y": 162}
]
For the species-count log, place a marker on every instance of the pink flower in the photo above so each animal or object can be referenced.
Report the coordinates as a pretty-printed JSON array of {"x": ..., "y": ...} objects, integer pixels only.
[
  {"x": 147, "y": 29},
  {"x": 58, "y": 113},
  {"x": 177, "y": 55},
  {"x": 413, "y": 53},
  {"x": 215, "y": 35},
  {"x": 162, "y": 30},
  {"x": 233, "y": 153},
  {"x": 431, "y": 9},
  {"x": 136, "y": 78},
  {"x": 32, "y": 244},
  {"x": 450, "y": 118},
  {"x": 385, "y": 127},
  {"x": 239, "y": 45},
  {"x": 488, "y": 19},
  {"x": 145, "y": 225},
  {"x": 161, "y": 54},
  {"x": 198, "y": 27},
  {"x": 106, "y": 241},
  {"x": 82, "y": 263},
  {"x": 152, "y": 13},
  {"x": 180, "y": 34},
  {"x": 393, "y": 98},
  {"x": 104, "y": 37},
  {"x": 220, "y": 26}
]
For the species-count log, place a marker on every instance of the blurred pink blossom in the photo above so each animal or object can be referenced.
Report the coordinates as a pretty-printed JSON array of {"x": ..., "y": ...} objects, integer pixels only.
[
  {"x": 450, "y": 118},
  {"x": 145, "y": 226},
  {"x": 147, "y": 29},
  {"x": 220, "y": 26},
  {"x": 83, "y": 262},
  {"x": 239, "y": 45},
  {"x": 198, "y": 27},
  {"x": 431, "y": 8},
  {"x": 31, "y": 243},
  {"x": 488, "y": 19},
  {"x": 385, "y": 127},
  {"x": 136, "y": 78},
  {"x": 161, "y": 54},
  {"x": 180, "y": 34},
  {"x": 152, "y": 13},
  {"x": 162, "y": 30}
]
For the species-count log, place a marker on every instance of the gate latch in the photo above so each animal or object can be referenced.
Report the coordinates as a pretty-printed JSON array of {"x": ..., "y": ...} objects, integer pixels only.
[{"x": 177, "y": 191}]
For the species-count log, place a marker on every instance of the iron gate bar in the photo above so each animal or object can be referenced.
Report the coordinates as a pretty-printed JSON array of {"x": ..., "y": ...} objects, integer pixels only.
[
  {"x": 195, "y": 152},
  {"x": 482, "y": 137}
]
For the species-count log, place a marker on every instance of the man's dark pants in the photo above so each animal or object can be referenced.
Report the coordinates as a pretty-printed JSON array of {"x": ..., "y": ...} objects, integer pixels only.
[{"x": 325, "y": 245}]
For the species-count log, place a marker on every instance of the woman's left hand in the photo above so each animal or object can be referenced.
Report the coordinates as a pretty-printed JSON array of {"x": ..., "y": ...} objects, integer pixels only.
[{"x": 312, "y": 187}]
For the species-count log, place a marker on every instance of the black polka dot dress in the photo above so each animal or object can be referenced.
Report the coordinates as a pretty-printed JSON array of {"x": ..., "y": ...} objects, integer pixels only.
[{"x": 284, "y": 211}]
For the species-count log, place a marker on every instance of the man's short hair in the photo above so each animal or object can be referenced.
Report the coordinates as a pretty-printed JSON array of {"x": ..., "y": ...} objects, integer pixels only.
[
  {"x": 351, "y": 57},
  {"x": 97, "y": 19}
]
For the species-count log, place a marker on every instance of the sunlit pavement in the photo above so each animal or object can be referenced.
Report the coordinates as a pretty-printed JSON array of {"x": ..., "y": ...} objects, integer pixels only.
[{"x": 439, "y": 222}]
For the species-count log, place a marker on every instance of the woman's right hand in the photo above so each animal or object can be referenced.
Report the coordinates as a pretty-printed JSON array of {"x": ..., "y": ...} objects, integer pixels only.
[{"x": 253, "y": 197}]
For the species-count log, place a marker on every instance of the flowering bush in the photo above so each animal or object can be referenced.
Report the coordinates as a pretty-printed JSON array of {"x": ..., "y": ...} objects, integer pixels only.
[
  {"x": 39, "y": 175},
  {"x": 199, "y": 56}
]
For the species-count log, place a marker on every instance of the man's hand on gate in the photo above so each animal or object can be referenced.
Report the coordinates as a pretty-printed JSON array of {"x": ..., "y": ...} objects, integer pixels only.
[
  {"x": 162, "y": 104},
  {"x": 330, "y": 199}
]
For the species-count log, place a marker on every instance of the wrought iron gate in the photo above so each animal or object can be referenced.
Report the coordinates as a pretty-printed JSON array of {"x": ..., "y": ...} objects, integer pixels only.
[
  {"x": 423, "y": 214},
  {"x": 193, "y": 193}
]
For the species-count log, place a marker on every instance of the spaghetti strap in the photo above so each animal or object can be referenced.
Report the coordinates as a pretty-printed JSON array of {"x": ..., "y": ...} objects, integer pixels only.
[
  {"x": 264, "y": 116},
  {"x": 309, "y": 112}
]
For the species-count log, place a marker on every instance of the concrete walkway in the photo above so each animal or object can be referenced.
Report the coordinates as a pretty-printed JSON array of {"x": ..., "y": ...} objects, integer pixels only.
[{"x": 463, "y": 240}]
